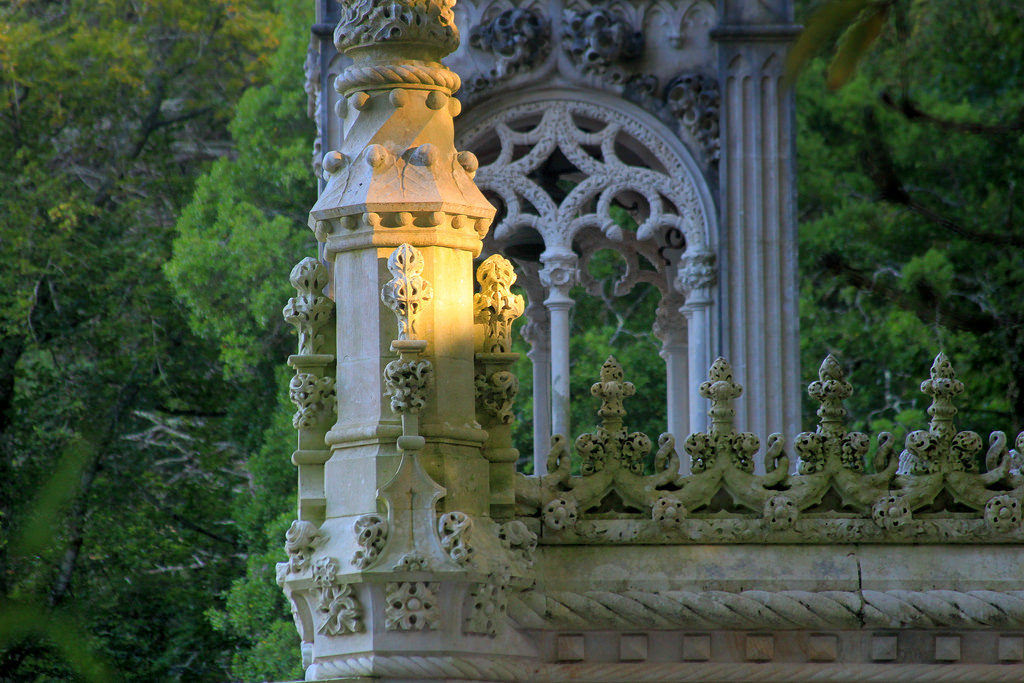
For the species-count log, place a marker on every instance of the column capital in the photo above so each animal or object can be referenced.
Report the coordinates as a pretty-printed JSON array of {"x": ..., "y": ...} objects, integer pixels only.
[{"x": 559, "y": 274}]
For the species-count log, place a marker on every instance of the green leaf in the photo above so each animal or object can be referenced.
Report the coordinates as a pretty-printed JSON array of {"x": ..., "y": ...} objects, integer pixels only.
[
  {"x": 854, "y": 44},
  {"x": 826, "y": 24}
]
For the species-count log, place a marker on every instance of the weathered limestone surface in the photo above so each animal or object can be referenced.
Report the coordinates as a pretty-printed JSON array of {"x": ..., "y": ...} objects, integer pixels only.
[{"x": 706, "y": 553}]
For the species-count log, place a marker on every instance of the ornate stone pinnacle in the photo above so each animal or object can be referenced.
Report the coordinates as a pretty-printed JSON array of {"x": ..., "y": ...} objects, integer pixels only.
[
  {"x": 942, "y": 386},
  {"x": 720, "y": 389},
  {"x": 309, "y": 311},
  {"x": 611, "y": 390},
  {"x": 830, "y": 391},
  {"x": 495, "y": 306},
  {"x": 404, "y": 293}
]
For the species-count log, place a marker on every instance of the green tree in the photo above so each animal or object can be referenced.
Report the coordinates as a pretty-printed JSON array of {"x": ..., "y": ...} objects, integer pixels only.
[
  {"x": 909, "y": 213},
  {"x": 109, "y": 110}
]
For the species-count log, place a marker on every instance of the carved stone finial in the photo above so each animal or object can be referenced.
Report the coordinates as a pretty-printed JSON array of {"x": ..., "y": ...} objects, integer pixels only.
[
  {"x": 407, "y": 290},
  {"x": 943, "y": 387},
  {"x": 611, "y": 390},
  {"x": 366, "y": 23},
  {"x": 309, "y": 311},
  {"x": 495, "y": 306},
  {"x": 720, "y": 389},
  {"x": 830, "y": 391}
]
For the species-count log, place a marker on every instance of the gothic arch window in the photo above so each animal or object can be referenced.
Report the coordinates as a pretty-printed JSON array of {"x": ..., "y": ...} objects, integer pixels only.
[{"x": 576, "y": 173}]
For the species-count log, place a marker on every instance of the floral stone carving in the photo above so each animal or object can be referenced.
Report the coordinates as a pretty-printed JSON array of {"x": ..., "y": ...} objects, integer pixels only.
[
  {"x": 519, "y": 38},
  {"x": 411, "y": 606},
  {"x": 454, "y": 530},
  {"x": 597, "y": 41},
  {"x": 371, "y": 535},
  {"x": 487, "y": 605},
  {"x": 694, "y": 100},
  {"x": 336, "y": 603},
  {"x": 406, "y": 292},
  {"x": 300, "y": 542}
]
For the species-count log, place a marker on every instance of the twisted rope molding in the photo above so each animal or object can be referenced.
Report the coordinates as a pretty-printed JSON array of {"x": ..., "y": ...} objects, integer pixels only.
[
  {"x": 755, "y": 673},
  {"x": 764, "y": 609},
  {"x": 411, "y": 74},
  {"x": 400, "y": 666}
]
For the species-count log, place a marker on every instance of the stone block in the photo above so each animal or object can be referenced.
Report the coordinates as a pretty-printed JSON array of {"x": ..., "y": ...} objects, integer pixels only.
[
  {"x": 760, "y": 647},
  {"x": 947, "y": 648},
  {"x": 633, "y": 647},
  {"x": 822, "y": 648},
  {"x": 884, "y": 648},
  {"x": 570, "y": 648},
  {"x": 697, "y": 648},
  {"x": 1011, "y": 648}
]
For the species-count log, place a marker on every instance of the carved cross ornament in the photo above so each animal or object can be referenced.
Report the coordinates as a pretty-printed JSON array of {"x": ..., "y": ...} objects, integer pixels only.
[
  {"x": 309, "y": 311},
  {"x": 405, "y": 293}
]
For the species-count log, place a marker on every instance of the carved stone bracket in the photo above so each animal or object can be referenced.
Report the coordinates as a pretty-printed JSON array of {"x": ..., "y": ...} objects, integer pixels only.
[
  {"x": 406, "y": 383},
  {"x": 314, "y": 397},
  {"x": 496, "y": 393}
]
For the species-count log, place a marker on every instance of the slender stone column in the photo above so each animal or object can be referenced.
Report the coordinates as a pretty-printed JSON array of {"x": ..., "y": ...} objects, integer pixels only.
[
  {"x": 758, "y": 246},
  {"x": 696, "y": 277},
  {"x": 536, "y": 332},
  {"x": 670, "y": 329},
  {"x": 559, "y": 275}
]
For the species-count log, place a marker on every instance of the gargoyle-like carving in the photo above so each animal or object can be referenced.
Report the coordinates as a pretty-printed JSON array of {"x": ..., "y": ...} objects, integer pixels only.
[
  {"x": 694, "y": 100},
  {"x": 371, "y": 535},
  {"x": 405, "y": 293},
  {"x": 487, "y": 604},
  {"x": 495, "y": 306},
  {"x": 411, "y": 606},
  {"x": 314, "y": 397},
  {"x": 519, "y": 38},
  {"x": 598, "y": 41},
  {"x": 496, "y": 394},
  {"x": 406, "y": 383},
  {"x": 454, "y": 530},
  {"x": 309, "y": 311},
  {"x": 300, "y": 541},
  {"x": 336, "y": 603}
]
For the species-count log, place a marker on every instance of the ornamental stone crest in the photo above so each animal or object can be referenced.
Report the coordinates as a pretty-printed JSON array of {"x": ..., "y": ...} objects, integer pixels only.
[
  {"x": 495, "y": 306},
  {"x": 406, "y": 292}
]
